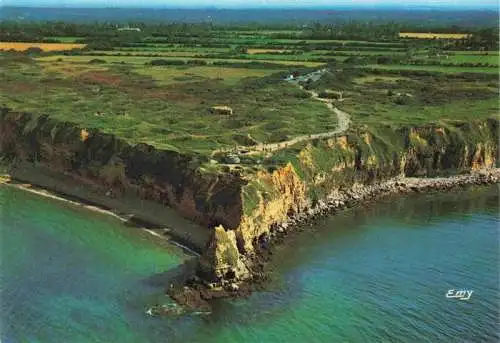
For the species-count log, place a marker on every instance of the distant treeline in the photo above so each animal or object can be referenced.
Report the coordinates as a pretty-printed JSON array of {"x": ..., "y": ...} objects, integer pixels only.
[
  {"x": 102, "y": 35},
  {"x": 261, "y": 18}
]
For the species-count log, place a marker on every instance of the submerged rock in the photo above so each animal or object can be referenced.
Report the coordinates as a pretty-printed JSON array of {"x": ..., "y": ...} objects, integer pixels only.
[{"x": 165, "y": 310}]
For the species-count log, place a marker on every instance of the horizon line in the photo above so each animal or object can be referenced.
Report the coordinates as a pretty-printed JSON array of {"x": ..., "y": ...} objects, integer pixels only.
[{"x": 298, "y": 7}]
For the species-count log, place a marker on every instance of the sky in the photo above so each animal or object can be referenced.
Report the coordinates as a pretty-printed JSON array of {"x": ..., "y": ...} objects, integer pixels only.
[{"x": 252, "y": 3}]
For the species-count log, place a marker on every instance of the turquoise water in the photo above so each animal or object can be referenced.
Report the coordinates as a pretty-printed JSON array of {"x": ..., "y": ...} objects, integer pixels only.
[{"x": 374, "y": 274}]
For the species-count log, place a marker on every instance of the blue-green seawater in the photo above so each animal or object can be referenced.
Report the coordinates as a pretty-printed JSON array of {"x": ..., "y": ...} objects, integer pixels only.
[{"x": 377, "y": 273}]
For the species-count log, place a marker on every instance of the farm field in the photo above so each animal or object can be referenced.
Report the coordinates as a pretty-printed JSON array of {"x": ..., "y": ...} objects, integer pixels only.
[
  {"x": 469, "y": 58},
  {"x": 44, "y": 46},
  {"x": 65, "y": 39},
  {"x": 160, "y": 89},
  {"x": 431, "y": 35},
  {"x": 434, "y": 68},
  {"x": 124, "y": 59},
  {"x": 170, "y": 75}
]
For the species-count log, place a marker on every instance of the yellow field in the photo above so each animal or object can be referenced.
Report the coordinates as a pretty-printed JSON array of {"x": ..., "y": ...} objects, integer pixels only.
[
  {"x": 431, "y": 35},
  {"x": 44, "y": 46}
]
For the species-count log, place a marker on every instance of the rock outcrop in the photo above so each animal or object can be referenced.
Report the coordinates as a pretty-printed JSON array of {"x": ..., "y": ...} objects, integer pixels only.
[{"x": 333, "y": 173}]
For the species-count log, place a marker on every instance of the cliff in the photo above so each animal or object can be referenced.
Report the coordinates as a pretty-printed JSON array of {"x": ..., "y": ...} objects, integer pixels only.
[
  {"x": 115, "y": 168},
  {"x": 240, "y": 211},
  {"x": 323, "y": 169}
]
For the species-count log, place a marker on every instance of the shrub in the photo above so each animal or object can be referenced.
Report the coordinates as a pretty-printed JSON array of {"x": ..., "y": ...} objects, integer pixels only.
[
  {"x": 33, "y": 51},
  {"x": 402, "y": 100},
  {"x": 384, "y": 60},
  {"x": 244, "y": 140},
  {"x": 163, "y": 62},
  {"x": 197, "y": 62},
  {"x": 234, "y": 123},
  {"x": 279, "y": 136},
  {"x": 96, "y": 61}
]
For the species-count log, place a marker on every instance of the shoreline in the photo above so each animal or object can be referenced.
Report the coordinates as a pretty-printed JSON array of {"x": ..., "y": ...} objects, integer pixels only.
[
  {"x": 192, "y": 293},
  {"x": 195, "y": 293},
  {"x": 359, "y": 193},
  {"x": 8, "y": 181}
]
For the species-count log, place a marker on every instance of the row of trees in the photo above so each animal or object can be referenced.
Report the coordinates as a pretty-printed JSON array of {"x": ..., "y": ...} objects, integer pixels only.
[
  {"x": 100, "y": 35},
  {"x": 484, "y": 39}
]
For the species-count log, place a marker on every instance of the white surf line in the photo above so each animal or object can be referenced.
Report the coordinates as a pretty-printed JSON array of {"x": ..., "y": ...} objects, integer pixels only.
[
  {"x": 184, "y": 247},
  {"x": 48, "y": 194},
  {"x": 154, "y": 233},
  {"x": 171, "y": 241}
]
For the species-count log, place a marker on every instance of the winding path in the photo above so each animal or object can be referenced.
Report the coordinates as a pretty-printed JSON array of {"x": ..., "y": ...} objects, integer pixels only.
[{"x": 344, "y": 120}]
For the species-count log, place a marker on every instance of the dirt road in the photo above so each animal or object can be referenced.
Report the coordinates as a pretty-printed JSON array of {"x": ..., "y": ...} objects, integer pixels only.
[{"x": 343, "y": 123}]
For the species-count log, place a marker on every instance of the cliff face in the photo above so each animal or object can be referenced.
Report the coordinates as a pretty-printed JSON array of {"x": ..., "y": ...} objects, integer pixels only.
[
  {"x": 240, "y": 211},
  {"x": 322, "y": 168},
  {"x": 90, "y": 156}
]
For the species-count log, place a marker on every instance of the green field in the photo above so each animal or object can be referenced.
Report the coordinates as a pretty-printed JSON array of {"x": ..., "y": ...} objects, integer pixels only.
[
  {"x": 435, "y": 69},
  {"x": 123, "y": 59},
  {"x": 230, "y": 76},
  {"x": 395, "y": 99},
  {"x": 469, "y": 58},
  {"x": 159, "y": 89},
  {"x": 66, "y": 39}
]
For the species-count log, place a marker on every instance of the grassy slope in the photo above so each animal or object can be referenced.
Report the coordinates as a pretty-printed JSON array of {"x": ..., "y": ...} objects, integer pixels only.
[
  {"x": 172, "y": 75},
  {"x": 376, "y": 100},
  {"x": 119, "y": 100}
]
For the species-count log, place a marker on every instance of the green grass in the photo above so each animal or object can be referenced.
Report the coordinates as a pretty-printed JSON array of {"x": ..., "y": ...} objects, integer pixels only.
[
  {"x": 152, "y": 51},
  {"x": 179, "y": 54},
  {"x": 336, "y": 41},
  {"x": 143, "y": 60},
  {"x": 362, "y": 53},
  {"x": 469, "y": 58},
  {"x": 459, "y": 57},
  {"x": 151, "y": 107},
  {"x": 65, "y": 39},
  {"x": 168, "y": 106},
  {"x": 166, "y": 50},
  {"x": 473, "y": 52},
  {"x": 432, "y": 68},
  {"x": 377, "y": 100},
  {"x": 389, "y": 114},
  {"x": 172, "y": 75}
]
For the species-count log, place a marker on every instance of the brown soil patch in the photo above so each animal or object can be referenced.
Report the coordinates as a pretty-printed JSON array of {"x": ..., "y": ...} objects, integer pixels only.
[
  {"x": 101, "y": 78},
  {"x": 20, "y": 87}
]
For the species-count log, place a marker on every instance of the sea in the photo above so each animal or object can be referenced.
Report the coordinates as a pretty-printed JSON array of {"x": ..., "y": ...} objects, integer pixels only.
[{"x": 419, "y": 268}]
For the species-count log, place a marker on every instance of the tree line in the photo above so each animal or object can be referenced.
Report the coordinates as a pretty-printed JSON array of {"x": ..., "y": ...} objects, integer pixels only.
[{"x": 102, "y": 35}]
